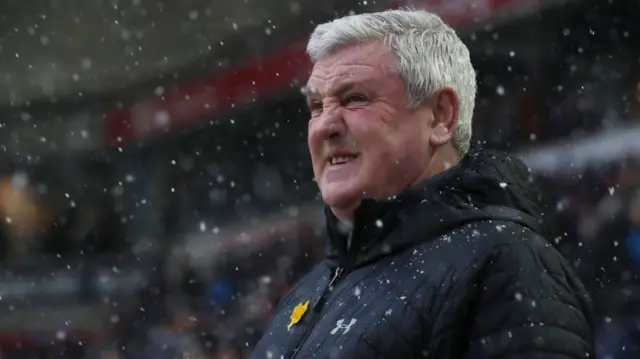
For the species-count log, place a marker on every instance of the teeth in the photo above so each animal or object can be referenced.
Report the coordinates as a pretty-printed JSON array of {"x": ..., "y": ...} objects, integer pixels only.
[{"x": 339, "y": 160}]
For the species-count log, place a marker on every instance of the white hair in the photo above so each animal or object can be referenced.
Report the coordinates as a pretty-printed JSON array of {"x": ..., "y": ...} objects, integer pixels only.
[{"x": 431, "y": 56}]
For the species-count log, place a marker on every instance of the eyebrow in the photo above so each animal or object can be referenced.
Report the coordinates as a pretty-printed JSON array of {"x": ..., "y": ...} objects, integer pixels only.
[{"x": 342, "y": 88}]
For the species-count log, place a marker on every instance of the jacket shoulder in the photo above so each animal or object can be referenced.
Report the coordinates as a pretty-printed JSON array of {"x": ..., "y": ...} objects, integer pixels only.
[
  {"x": 476, "y": 240},
  {"x": 519, "y": 296}
]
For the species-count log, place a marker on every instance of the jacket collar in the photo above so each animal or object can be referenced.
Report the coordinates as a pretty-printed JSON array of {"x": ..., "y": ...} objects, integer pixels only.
[{"x": 483, "y": 186}]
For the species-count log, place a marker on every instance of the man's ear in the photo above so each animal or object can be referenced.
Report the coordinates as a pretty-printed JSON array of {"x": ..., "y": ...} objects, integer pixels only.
[{"x": 445, "y": 114}]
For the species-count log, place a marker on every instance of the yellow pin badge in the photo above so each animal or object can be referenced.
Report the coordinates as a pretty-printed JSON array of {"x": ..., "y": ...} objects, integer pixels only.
[{"x": 297, "y": 313}]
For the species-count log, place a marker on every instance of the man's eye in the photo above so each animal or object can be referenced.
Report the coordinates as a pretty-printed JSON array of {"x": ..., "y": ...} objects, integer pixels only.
[{"x": 355, "y": 98}]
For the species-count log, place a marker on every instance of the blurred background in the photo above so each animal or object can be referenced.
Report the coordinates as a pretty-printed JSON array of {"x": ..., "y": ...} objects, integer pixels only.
[{"x": 156, "y": 197}]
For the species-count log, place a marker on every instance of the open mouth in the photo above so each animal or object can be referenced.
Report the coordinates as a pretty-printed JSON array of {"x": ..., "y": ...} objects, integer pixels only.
[{"x": 339, "y": 160}]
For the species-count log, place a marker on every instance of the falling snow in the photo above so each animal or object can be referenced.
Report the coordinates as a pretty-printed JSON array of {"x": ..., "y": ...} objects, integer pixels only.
[{"x": 155, "y": 166}]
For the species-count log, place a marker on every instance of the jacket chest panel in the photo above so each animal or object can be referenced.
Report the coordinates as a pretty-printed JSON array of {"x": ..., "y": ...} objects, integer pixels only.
[
  {"x": 374, "y": 317},
  {"x": 379, "y": 311}
]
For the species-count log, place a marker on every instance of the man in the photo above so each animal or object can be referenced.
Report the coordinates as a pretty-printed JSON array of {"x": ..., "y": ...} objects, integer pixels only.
[{"x": 436, "y": 250}]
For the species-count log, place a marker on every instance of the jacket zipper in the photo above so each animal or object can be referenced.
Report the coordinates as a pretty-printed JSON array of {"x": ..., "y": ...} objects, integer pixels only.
[{"x": 317, "y": 308}]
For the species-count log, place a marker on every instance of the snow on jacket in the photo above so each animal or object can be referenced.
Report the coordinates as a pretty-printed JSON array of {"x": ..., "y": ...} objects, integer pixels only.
[{"x": 457, "y": 267}]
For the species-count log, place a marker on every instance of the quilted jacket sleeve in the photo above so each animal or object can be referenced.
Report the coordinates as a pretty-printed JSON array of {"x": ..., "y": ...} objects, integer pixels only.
[{"x": 529, "y": 304}]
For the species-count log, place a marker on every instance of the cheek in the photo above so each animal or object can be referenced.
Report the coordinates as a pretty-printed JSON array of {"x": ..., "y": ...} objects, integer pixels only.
[
  {"x": 380, "y": 149},
  {"x": 366, "y": 128},
  {"x": 386, "y": 145}
]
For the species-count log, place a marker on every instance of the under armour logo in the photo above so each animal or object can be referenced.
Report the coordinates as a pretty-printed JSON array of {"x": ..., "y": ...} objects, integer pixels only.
[{"x": 340, "y": 325}]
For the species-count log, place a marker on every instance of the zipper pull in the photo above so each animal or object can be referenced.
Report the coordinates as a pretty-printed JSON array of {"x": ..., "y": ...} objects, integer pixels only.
[
  {"x": 336, "y": 275},
  {"x": 320, "y": 302}
]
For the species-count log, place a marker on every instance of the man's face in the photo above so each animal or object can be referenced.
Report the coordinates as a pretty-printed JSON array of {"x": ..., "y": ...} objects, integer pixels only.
[{"x": 363, "y": 138}]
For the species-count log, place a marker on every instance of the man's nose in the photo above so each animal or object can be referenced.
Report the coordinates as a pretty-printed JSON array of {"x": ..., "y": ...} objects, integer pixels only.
[{"x": 330, "y": 124}]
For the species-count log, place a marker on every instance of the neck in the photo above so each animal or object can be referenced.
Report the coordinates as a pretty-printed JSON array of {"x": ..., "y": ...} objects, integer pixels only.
[{"x": 443, "y": 158}]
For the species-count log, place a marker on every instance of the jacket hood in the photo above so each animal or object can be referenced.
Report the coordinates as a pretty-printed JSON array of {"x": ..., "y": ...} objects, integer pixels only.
[{"x": 484, "y": 185}]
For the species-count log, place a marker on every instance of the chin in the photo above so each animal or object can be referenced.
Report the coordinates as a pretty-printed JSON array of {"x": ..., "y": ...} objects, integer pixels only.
[{"x": 340, "y": 195}]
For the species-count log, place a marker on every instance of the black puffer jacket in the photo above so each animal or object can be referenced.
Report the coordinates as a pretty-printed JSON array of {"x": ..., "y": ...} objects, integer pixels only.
[{"x": 457, "y": 267}]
